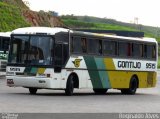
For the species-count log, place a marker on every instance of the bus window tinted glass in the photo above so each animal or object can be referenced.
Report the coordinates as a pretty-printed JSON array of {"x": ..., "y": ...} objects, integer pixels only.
[
  {"x": 154, "y": 51},
  {"x": 109, "y": 48},
  {"x": 76, "y": 45},
  {"x": 150, "y": 51},
  {"x": 84, "y": 45},
  {"x": 137, "y": 50},
  {"x": 93, "y": 46},
  {"x": 122, "y": 49}
]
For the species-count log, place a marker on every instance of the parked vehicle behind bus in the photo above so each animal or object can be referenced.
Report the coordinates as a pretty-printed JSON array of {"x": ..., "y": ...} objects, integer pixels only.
[
  {"x": 63, "y": 59},
  {"x": 4, "y": 47}
]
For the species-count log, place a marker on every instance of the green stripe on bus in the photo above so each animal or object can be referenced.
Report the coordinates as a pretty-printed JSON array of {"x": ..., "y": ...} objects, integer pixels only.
[
  {"x": 27, "y": 70},
  {"x": 103, "y": 74},
  {"x": 34, "y": 70},
  {"x": 93, "y": 72},
  {"x": 31, "y": 70}
]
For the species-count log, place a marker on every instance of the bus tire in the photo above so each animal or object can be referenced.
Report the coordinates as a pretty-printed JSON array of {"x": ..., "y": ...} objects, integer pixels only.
[
  {"x": 70, "y": 86},
  {"x": 132, "y": 87},
  {"x": 32, "y": 91},
  {"x": 100, "y": 91}
]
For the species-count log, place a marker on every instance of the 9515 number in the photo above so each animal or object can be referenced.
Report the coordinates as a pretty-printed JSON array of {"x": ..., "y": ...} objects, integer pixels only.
[{"x": 150, "y": 65}]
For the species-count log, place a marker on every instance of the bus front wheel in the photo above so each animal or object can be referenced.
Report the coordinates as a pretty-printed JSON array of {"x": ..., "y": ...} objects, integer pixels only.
[
  {"x": 70, "y": 86},
  {"x": 32, "y": 91},
  {"x": 132, "y": 87}
]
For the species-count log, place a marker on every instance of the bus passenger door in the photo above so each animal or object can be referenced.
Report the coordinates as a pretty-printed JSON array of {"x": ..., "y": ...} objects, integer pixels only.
[
  {"x": 61, "y": 56},
  {"x": 58, "y": 59}
]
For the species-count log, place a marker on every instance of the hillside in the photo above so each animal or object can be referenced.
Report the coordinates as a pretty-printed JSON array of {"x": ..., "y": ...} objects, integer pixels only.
[
  {"x": 15, "y": 14},
  {"x": 11, "y": 17},
  {"x": 109, "y": 24},
  {"x": 17, "y": 3},
  {"x": 42, "y": 19}
]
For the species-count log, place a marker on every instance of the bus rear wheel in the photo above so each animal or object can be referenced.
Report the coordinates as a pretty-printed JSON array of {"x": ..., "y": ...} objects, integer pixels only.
[
  {"x": 132, "y": 87},
  {"x": 32, "y": 91},
  {"x": 100, "y": 91},
  {"x": 70, "y": 86}
]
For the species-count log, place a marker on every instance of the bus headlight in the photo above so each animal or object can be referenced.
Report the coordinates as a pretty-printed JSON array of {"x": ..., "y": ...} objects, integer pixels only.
[{"x": 9, "y": 73}]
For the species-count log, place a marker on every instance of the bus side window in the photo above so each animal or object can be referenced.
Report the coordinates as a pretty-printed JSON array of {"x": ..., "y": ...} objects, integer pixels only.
[
  {"x": 145, "y": 51},
  {"x": 100, "y": 47},
  {"x": 141, "y": 50},
  {"x": 90, "y": 48},
  {"x": 76, "y": 47},
  {"x": 84, "y": 45},
  {"x": 110, "y": 48},
  {"x": 122, "y": 49},
  {"x": 129, "y": 47},
  {"x": 94, "y": 46},
  {"x": 137, "y": 50},
  {"x": 149, "y": 51},
  {"x": 154, "y": 52},
  {"x": 72, "y": 45}
]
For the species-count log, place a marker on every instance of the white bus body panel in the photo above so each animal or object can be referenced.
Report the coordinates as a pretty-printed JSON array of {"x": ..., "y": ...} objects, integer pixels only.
[{"x": 55, "y": 81}]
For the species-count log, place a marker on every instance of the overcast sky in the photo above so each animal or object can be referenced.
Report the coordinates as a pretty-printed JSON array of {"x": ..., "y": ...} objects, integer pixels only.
[{"x": 147, "y": 11}]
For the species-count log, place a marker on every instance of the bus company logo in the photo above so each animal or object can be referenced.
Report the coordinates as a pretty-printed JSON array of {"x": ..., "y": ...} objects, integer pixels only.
[{"x": 76, "y": 62}]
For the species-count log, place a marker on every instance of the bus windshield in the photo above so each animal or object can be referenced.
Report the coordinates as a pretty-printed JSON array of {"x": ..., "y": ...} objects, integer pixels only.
[{"x": 31, "y": 50}]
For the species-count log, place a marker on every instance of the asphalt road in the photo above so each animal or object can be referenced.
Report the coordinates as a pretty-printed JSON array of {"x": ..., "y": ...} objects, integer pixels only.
[{"x": 18, "y": 100}]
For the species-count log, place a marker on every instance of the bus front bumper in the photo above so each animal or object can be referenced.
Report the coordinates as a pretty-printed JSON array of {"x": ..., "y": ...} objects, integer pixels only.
[{"x": 35, "y": 82}]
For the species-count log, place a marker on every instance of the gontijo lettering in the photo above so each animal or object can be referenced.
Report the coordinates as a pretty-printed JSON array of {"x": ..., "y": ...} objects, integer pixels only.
[{"x": 129, "y": 64}]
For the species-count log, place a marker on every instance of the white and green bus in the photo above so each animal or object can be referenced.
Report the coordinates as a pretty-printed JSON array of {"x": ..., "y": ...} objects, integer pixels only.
[
  {"x": 4, "y": 47},
  {"x": 63, "y": 59}
]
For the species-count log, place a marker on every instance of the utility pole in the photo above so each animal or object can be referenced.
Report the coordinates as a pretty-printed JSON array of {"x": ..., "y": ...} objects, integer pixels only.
[
  {"x": 136, "y": 20},
  {"x": 137, "y": 25}
]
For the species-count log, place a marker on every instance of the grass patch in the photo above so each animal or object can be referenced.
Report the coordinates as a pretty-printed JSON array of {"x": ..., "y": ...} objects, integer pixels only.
[
  {"x": 11, "y": 18},
  {"x": 91, "y": 25}
]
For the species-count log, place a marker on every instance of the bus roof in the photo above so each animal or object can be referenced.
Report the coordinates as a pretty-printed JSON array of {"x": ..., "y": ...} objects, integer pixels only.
[
  {"x": 39, "y": 30},
  {"x": 5, "y": 34},
  {"x": 143, "y": 39},
  {"x": 52, "y": 31},
  {"x": 125, "y": 33}
]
